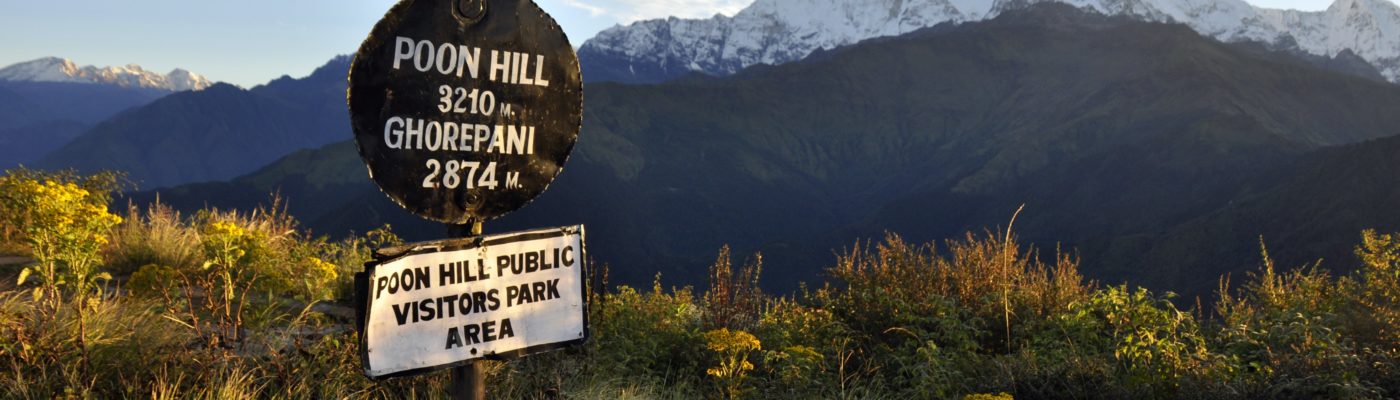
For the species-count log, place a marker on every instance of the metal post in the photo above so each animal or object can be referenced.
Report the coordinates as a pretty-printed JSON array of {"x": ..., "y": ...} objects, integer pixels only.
[{"x": 468, "y": 381}]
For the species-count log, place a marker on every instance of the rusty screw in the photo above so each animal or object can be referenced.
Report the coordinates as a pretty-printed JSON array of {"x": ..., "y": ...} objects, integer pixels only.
[{"x": 472, "y": 10}]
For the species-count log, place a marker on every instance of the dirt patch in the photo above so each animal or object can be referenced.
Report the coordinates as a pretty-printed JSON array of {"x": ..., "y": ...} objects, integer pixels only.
[
  {"x": 9, "y": 270},
  {"x": 13, "y": 260}
]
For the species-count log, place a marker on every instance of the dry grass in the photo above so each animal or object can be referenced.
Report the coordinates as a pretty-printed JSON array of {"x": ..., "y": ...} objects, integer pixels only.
[
  {"x": 978, "y": 314},
  {"x": 156, "y": 236}
]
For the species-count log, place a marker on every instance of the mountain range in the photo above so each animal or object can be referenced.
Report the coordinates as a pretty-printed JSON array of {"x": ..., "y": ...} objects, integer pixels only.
[
  {"x": 778, "y": 31},
  {"x": 217, "y": 133},
  {"x": 54, "y": 69},
  {"x": 1157, "y": 154},
  {"x": 49, "y": 102},
  {"x": 783, "y": 30}
]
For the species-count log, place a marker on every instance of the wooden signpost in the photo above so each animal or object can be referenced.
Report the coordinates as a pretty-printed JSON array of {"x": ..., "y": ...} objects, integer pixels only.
[{"x": 464, "y": 111}]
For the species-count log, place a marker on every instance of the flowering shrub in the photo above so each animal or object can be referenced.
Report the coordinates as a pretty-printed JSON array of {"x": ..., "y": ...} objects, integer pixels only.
[
  {"x": 65, "y": 226},
  {"x": 732, "y": 348}
]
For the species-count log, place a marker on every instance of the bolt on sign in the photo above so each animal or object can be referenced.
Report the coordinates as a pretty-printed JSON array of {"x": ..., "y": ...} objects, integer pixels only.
[
  {"x": 465, "y": 110},
  {"x": 437, "y": 305}
]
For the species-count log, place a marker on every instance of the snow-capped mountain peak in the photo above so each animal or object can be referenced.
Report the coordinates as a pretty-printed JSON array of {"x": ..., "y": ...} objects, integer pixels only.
[
  {"x": 779, "y": 31},
  {"x": 769, "y": 32},
  {"x": 55, "y": 69},
  {"x": 47, "y": 69}
]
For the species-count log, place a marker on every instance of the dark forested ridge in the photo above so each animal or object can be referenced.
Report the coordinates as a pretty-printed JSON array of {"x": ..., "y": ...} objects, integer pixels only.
[
  {"x": 215, "y": 134},
  {"x": 1160, "y": 155},
  {"x": 39, "y": 117}
]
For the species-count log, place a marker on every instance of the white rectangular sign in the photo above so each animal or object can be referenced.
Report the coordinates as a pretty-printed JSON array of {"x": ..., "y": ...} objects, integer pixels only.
[{"x": 446, "y": 302}]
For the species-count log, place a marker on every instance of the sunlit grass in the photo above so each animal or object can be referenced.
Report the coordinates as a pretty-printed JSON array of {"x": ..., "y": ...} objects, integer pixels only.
[{"x": 978, "y": 317}]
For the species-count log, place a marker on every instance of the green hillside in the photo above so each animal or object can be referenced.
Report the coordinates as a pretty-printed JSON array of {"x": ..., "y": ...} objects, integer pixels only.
[{"x": 1308, "y": 216}]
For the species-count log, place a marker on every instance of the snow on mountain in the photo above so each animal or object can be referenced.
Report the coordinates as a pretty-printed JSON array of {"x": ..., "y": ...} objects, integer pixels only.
[
  {"x": 779, "y": 31},
  {"x": 54, "y": 69},
  {"x": 1369, "y": 28},
  {"x": 767, "y": 32}
]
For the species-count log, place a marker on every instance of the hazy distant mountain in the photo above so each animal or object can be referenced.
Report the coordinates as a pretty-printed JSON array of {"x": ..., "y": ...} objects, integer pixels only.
[
  {"x": 25, "y": 144},
  {"x": 217, "y": 133},
  {"x": 1116, "y": 134},
  {"x": 39, "y": 117},
  {"x": 779, "y": 31},
  {"x": 46, "y": 103},
  {"x": 54, "y": 69}
]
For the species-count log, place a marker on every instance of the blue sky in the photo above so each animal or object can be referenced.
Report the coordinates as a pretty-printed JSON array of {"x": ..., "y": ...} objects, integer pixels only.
[{"x": 249, "y": 42}]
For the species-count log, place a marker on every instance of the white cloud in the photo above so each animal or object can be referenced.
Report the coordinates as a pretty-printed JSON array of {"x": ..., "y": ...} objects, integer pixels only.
[
  {"x": 591, "y": 9},
  {"x": 627, "y": 11}
]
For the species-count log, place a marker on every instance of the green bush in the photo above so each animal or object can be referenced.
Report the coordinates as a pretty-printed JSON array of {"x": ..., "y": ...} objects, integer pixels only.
[
  {"x": 1154, "y": 343},
  {"x": 654, "y": 335},
  {"x": 1289, "y": 335},
  {"x": 804, "y": 349}
]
